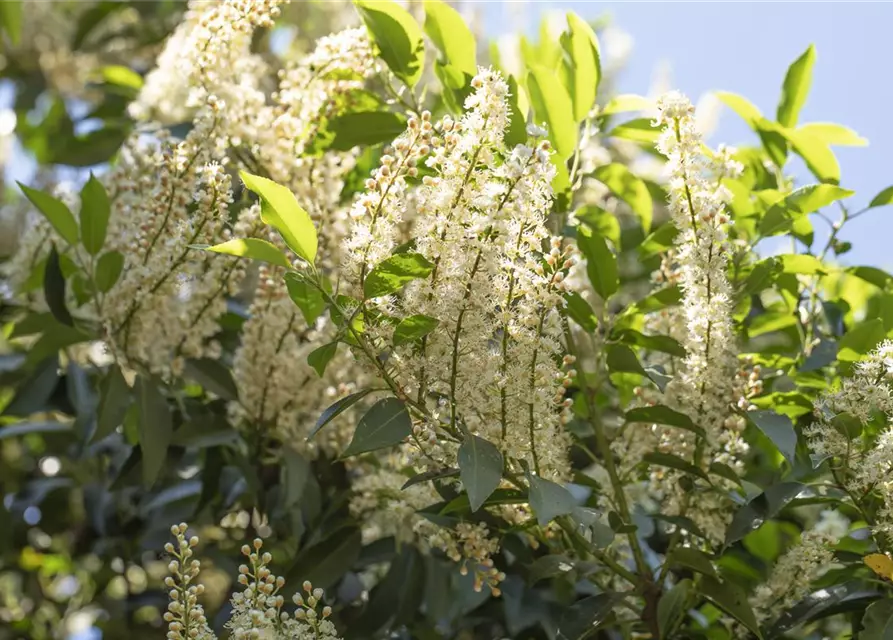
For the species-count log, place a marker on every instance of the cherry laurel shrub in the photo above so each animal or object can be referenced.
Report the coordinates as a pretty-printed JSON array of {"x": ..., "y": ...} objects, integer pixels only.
[{"x": 477, "y": 346}]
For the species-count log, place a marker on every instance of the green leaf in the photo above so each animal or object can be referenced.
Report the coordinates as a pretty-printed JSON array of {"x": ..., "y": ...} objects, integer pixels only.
[
  {"x": 660, "y": 299},
  {"x": 584, "y": 616},
  {"x": 281, "y": 210},
  {"x": 552, "y": 105},
  {"x": 307, "y": 297},
  {"x": 626, "y": 102},
  {"x": 601, "y": 264},
  {"x": 108, "y": 270},
  {"x": 548, "y": 499},
  {"x": 849, "y": 596},
  {"x": 626, "y": 186},
  {"x": 122, "y": 76},
  {"x": 671, "y": 606},
  {"x": 817, "y": 155},
  {"x": 27, "y": 428},
  {"x": 115, "y": 397},
  {"x": 660, "y": 414},
  {"x": 761, "y": 508},
  {"x": 548, "y": 567},
  {"x": 392, "y": 274},
  {"x": 885, "y": 197},
  {"x": 742, "y": 106},
  {"x": 637, "y": 130},
  {"x": 877, "y": 277},
  {"x": 800, "y": 202},
  {"x": 674, "y": 462},
  {"x": 516, "y": 131},
  {"x": 803, "y": 264},
  {"x": 450, "y": 34},
  {"x": 55, "y": 211},
  {"x": 320, "y": 357},
  {"x": 877, "y": 623},
  {"x": 480, "y": 468},
  {"x": 251, "y": 248},
  {"x": 213, "y": 376},
  {"x": 833, "y": 134},
  {"x": 861, "y": 339},
  {"x": 365, "y": 128},
  {"x": 795, "y": 88},
  {"x": 11, "y": 19},
  {"x": 95, "y": 211},
  {"x": 732, "y": 600},
  {"x": 580, "y": 312},
  {"x": 693, "y": 559},
  {"x": 603, "y": 223},
  {"x": 397, "y": 35},
  {"x": 779, "y": 429},
  {"x": 33, "y": 394},
  {"x": 427, "y": 476},
  {"x": 324, "y": 563},
  {"x": 414, "y": 328},
  {"x": 337, "y": 408},
  {"x": 664, "y": 344},
  {"x": 658, "y": 241},
  {"x": 154, "y": 427},
  {"x": 54, "y": 289},
  {"x": 585, "y": 73},
  {"x": 386, "y": 424},
  {"x": 621, "y": 359}
]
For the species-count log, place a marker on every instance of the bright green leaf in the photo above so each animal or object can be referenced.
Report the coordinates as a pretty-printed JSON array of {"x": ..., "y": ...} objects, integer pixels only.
[
  {"x": 281, "y": 210},
  {"x": 795, "y": 88},
  {"x": 11, "y": 19},
  {"x": 585, "y": 73},
  {"x": 833, "y": 134},
  {"x": 802, "y": 264},
  {"x": 252, "y": 248},
  {"x": 122, "y": 76},
  {"x": 413, "y": 328},
  {"x": 55, "y": 211},
  {"x": 800, "y": 202},
  {"x": 601, "y": 263},
  {"x": 552, "y": 105},
  {"x": 320, "y": 357},
  {"x": 397, "y": 36},
  {"x": 638, "y": 130},
  {"x": 885, "y": 197},
  {"x": 447, "y": 29},
  {"x": 392, "y": 274},
  {"x": 308, "y": 298},
  {"x": 816, "y": 153},
  {"x": 626, "y": 102},
  {"x": 628, "y": 188},
  {"x": 480, "y": 468},
  {"x": 861, "y": 339}
]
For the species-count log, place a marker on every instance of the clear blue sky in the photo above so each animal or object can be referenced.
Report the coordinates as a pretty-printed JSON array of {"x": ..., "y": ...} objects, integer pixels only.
[{"x": 745, "y": 47}]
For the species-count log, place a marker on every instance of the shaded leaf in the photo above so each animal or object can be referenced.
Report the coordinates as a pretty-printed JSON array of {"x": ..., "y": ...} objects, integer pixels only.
[
  {"x": 94, "y": 217},
  {"x": 386, "y": 424},
  {"x": 154, "y": 427},
  {"x": 660, "y": 414},
  {"x": 671, "y": 606},
  {"x": 413, "y": 328},
  {"x": 393, "y": 273},
  {"x": 629, "y": 188},
  {"x": 480, "y": 466},
  {"x": 779, "y": 429},
  {"x": 548, "y": 499},
  {"x": 601, "y": 263},
  {"x": 54, "y": 289},
  {"x": 584, "y": 616},
  {"x": 731, "y": 600},
  {"x": 320, "y": 357},
  {"x": 307, "y": 297},
  {"x": 214, "y": 376},
  {"x": 108, "y": 270},
  {"x": 337, "y": 408},
  {"x": 55, "y": 211}
]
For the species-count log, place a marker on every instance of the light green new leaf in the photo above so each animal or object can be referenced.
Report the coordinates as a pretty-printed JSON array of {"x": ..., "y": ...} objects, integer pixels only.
[
  {"x": 480, "y": 469},
  {"x": 585, "y": 70},
  {"x": 385, "y": 424},
  {"x": 95, "y": 211},
  {"x": 802, "y": 264},
  {"x": 252, "y": 248},
  {"x": 885, "y": 197},
  {"x": 450, "y": 34},
  {"x": 626, "y": 102},
  {"x": 390, "y": 275},
  {"x": 742, "y": 106},
  {"x": 658, "y": 241},
  {"x": 414, "y": 328},
  {"x": 108, "y": 270},
  {"x": 638, "y": 130},
  {"x": 816, "y": 153},
  {"x": 308, "y": 298},
  {"x": 601, "y": 263},
  {"x": 397, "y": 36},
  {"x": 516, "y": 132},
  {"x": 801, "y": 202},
  {"x": 548, "y": 499},
  {"x": 122, "y": 76},
  {"x": 281, "y": 210},
  {"x": 833, "y": 134},
  {"x": 552, "y": 105},
  {"x": 320, "y": 357},
  {"x": 861, "y": 339},
  {"x": 629, "y": 188},
  {"x": 11, "y": 19},
  {"x": 154, "y": 427},
  {"x": 55, "y": 211},
  {"x": 795, "y": 88}
]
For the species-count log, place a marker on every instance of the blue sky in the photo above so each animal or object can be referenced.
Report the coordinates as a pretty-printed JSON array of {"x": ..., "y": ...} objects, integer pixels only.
[{"x": 745, "y": 47}]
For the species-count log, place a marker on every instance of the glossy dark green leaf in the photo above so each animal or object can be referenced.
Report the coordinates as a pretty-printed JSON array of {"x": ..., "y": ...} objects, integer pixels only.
[
  {"x": 732, "y": 600},
  {"x": 214, "y": 376},
  {"x": 55, "y": 211},
  {"x": 155, "y": 427},
  {"x": 601, "y": 263},
  {"x": 779, "y": 429},
  {"x": 877, "y": 623},
  {"x": 54, "y": 289},
  {"x": 663, "y": 344},
  {"x": 320, "y": 357},
  {"x": 822, "y": 355},
  {"x": 308, "y": 298},
  {"x": 549, "y": 499},
  {"x": 581, "y": 312},
  {"x": 365, "y": 128},
  {"x": 662, "y": 459},
  {"x": 621, "y": 359},
  {"x": 94, "y": 216},
  {"x": 386, "y": 424},
  {"x": 585, "y": 616},
  {"x": 203, "y": 432},
  {"x": 761, "y": 508},
  {"x": 337, "y": 408},
  {"x": 393, "y": 273},
  {"x": 324, "y": 563},
  {"x": 427, "y": 476},
  {"x": 548, "y": 567},
  {"x": 397, "y": 35},
  {"x": 671, "y": 606},
  {"x": 414, "y": 328},
  {"x": 825, "y": 602},
  {"x": 480, "y": 466},
  {"x": 660, "y": 414}
]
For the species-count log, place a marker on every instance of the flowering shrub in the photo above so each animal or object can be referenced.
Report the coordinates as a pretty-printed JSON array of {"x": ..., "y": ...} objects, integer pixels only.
[{"x": 478, "y": 347}]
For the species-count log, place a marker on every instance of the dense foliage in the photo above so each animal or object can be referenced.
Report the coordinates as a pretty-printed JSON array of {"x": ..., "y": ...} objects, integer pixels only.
[{"x": 453, "y": 333}]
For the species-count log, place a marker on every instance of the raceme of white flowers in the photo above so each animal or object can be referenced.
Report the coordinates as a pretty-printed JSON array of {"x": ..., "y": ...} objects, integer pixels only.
[{"x": 258, "y": 610}]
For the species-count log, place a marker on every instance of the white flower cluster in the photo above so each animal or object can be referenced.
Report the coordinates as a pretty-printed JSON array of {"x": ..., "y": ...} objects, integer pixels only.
[
  {"x": 257, "y": 611},
  {"x": 864, "y": 464},
  {"x": 792, "y": 574},
  {"x": 705, "y": 388}
]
